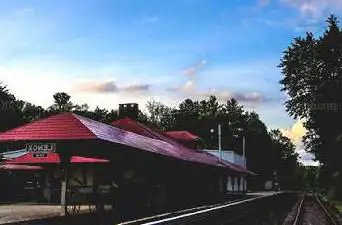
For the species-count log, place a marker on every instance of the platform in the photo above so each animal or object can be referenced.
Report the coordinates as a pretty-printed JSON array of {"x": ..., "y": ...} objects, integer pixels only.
[{"x": 21, "y": 212}]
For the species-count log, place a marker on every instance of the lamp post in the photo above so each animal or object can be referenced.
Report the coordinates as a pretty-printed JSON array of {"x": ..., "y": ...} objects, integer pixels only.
[{"x": 219, "y": 133}]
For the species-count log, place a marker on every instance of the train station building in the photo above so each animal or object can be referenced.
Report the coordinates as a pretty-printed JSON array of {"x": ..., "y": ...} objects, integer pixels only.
[{"x": 126, "y": 165}]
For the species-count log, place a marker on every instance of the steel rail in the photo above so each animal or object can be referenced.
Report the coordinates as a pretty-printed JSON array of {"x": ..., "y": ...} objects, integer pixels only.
[
  {"x": 198, "y": 215},
  {"x": 299, "y": 211},
  {"x": 173, "y": 214},
  {"x": 326, "y": 211}
]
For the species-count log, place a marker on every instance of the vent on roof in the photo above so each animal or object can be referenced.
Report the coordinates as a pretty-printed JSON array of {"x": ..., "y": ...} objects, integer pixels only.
[{"x": 130, "y": 110}]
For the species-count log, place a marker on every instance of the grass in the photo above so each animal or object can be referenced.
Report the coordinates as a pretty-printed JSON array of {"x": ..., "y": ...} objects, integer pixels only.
[{"x": 338, "y": 205}]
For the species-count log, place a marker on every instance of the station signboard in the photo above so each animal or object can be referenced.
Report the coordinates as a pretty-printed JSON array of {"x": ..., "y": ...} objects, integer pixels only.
[{"x": 40, "y": 150}]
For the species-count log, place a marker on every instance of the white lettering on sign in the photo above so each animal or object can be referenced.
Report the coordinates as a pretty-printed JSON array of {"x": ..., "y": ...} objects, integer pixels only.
[
  {"x": 40, "y": 147},
  {"x": 39, "y": 155}
]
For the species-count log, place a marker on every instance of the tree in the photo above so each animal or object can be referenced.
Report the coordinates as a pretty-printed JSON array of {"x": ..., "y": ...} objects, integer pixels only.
[
  {"x": 199, "y": 117},
  {"x": 313, "y": 81},
  {"x": 62, "y": 103},
  {"x": 159, "y": 114},
  {"x": 81, "y": 108},
  {"x": 10, "y": 116},
  {"x": 259, "y": 149},
  {"x": 30, "y": 112},
  {"x": 285, "y": 160}
]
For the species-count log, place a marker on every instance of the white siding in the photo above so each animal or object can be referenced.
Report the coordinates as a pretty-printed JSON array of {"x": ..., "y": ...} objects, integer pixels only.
[
  {"x": 229, "y": 184},
  {"x": 236, "y": 184},
  {"x": 229, "y": 156},
  {"x": 242, "y": 184}
]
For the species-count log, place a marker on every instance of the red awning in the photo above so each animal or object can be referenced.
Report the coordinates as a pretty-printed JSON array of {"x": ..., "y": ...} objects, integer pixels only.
[
  {"x": 19, "y": 167},
  {"x": 52, "y": 158}
]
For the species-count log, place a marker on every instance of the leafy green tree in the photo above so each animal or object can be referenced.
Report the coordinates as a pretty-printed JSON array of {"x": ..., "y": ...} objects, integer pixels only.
[
  {"x": 81, "y": 108},
  {"x": 313, "y": 81},
  {"x": 30, "y": 112},
  {"x": 259, "y": 149},
  {"x": 100, "y": 114},
  {"x": 285, "y": 159},
  {"x": 10, "y": 116},
  {"x": 159, "y": 114},
  {"x": 200, "y": 117},
  {"x": 62, "y": 103}
]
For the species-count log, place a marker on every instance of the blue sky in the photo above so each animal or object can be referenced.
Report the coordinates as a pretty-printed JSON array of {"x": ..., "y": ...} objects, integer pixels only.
[{"x": 108, "y": 52}]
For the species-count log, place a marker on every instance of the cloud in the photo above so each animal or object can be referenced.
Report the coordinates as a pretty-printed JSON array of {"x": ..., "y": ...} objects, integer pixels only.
[
  {"x": 314, "y": 8},
  {"x": 295, "y": 133},
  {"x": 299, "y": 24},
  {"x": 189, "y": 90},
  {"x": 136, "y": 87},
  {"x": 192, "y": 71},
  {"x": 307, "y": 158},
  {"x": 253, "y": 97},
  {"x": 311, "y": 14},
  {"x": 110, "y": 87},
  {"x": 190, "y": 85}
]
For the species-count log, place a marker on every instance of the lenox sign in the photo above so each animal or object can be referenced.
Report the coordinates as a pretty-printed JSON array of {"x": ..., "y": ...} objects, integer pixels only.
[{"x": 40, "y": 149}]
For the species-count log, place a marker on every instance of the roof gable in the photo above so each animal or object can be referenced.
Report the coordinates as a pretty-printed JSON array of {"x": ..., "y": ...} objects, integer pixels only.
[{"x": 64, "y": 126}]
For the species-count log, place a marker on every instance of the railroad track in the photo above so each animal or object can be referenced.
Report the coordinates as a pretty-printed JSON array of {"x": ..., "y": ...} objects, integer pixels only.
[
  {"x": 164, "y": 216},
  {"x": 224, "y": 213},
  {"x": 311, "y": 211}
]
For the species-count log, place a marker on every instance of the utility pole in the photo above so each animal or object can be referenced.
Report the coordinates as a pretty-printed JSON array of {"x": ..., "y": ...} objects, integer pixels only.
[
  {"x": 244, "y": 150},
  {"x": 219, "y": 141}
]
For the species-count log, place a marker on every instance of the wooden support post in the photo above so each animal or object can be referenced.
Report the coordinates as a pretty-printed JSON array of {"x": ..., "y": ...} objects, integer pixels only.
[
  {"x": 47, "y": 187},
  {"x": 65, "y": 162},
  {"x": 64, "y": 194}
]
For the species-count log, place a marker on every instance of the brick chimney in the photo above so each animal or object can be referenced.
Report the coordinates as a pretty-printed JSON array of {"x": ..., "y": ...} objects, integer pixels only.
[{"x": 130, "y": 110}]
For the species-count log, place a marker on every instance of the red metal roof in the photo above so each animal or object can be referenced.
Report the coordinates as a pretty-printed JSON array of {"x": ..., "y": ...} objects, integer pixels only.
[
  {"x": 59, "y": 127},
  {"x": 161, "y": 144},
  {"x": 52, "y": 158},
  {"x": 182, "y": 135},
  {"x": 138, "y": 128},
  {"x": 67, "y": 126},
  {"x": 19, "y": 167},
  {"x": 183, "y": 152},
  {"x": 133, "y": 126}
]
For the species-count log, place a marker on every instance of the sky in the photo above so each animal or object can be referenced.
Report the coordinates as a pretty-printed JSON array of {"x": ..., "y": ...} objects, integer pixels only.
[{"x": 106, "y": 52}]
